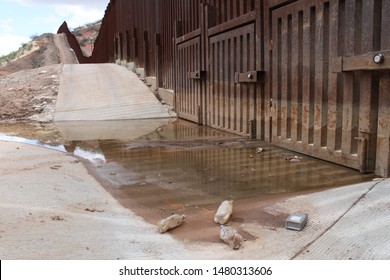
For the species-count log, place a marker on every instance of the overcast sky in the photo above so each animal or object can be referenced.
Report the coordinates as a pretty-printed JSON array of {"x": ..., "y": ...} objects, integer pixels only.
[{"x": 20, "y": 19}]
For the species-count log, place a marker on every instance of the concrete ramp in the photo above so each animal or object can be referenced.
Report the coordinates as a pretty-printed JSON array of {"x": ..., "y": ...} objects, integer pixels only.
[
  {"x": 90, "y": 92},
  {"x": 123, "y": 130}
]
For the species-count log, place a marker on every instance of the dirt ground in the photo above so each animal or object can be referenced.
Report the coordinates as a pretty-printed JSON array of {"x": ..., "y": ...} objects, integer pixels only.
[
  {"x": 29, "y": 86},
  {"x": 30, "y": 94}
]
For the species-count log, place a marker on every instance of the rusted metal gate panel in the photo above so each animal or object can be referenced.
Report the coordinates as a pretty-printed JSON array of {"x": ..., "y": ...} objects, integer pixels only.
[
  {"x": 234, "y": 72},
  {"x": 189, "y": 80},
  {"x": 318, "y": 107},
  {"x": 232, "y": 81},
  {"x": 190, "y": 74}
]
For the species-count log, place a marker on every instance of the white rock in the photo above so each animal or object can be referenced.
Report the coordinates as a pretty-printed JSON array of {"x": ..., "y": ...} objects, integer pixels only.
[
  {"x": 224, "y": 211},
  {"x": 170, "y": 223},
  {"x": 230, "y": 236},
  {"x": 259, "y": 150}
]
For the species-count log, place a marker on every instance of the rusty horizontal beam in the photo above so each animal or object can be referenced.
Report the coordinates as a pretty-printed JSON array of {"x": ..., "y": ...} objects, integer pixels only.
[
  {"x": 372, "y": 61},
  {"x": 197, "y": 75},
  {"x": 231, "y": 24},
  {"x": 277, "y": 3},
  {"x": 188, "y": 36},
  {"x": 249, "y": 77}
]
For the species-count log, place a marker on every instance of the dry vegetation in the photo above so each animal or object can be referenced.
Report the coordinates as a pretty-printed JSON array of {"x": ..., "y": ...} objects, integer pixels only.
[{"x": 86, "y": 36}]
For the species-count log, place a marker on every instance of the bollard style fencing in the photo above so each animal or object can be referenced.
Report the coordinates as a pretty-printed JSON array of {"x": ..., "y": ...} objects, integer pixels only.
[{"x": 308, "y": 75}]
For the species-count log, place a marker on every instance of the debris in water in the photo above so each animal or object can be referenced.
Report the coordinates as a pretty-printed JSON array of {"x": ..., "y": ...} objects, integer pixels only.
[
  {"x": 294, "y": 159},
  {"x": 259, "y": 150},
  {"x": 230, "y": 236},
  {"x": 170, "y": 223},
  {"x": 224, "y": 211}
]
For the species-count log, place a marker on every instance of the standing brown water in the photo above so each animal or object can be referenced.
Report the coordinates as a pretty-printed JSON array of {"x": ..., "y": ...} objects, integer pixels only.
[{"x": 188, "y": 169}]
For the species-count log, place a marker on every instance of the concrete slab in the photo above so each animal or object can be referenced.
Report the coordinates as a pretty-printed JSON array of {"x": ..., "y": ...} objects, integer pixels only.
[
  {"x": 52, "y": 208},
  {"x": 105, "y": 92},
  {"x": 362, "y": 233},
  {"x": 105, "y": 130}
]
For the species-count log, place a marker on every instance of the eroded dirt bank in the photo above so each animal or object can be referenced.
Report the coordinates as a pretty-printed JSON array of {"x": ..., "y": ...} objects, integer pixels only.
[{"x": 29, "y": 85}]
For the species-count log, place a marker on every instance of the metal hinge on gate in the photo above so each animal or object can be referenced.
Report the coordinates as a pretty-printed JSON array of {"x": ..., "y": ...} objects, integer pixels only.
[
  {"x": 249, "y": 77},
  {"x": 197, "y": 75}
]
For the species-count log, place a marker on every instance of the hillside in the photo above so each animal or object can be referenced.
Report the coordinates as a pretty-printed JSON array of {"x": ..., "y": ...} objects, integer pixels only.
[
  {"x": 39, "y": 52},
  {"x": 29, "y": 77},
  {"x": 42, "y": 50},
  {"x": 86, "y": 36}
]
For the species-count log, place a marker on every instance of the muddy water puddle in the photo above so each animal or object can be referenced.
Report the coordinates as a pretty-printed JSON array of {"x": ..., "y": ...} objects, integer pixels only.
[{"x": 161, "y": 167}]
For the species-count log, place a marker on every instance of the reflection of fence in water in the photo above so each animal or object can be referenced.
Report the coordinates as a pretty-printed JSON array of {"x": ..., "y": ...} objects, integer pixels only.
[{"x": 197, "y": 173}]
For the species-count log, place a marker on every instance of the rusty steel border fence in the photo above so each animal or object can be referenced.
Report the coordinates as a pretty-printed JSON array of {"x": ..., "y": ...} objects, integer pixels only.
[{"x": 308, "y": 75}]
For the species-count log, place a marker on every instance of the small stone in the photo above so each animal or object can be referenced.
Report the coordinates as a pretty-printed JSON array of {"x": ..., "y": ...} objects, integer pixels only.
[
  {"x": 224, "y": 212},
  {"x": 259, "y": 150},
  {"x": 230, "y": 236},
  {"x": 170, "y": 223},
  {"x": 295, "y": 159}
]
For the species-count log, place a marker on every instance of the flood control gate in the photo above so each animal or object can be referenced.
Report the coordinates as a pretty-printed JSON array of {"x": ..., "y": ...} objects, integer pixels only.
[
  {"x": 329, "y": 82},
  {"x": 299, "y": 74},
  {"x": 219, "y": 81},
  {"x": 308, "y": 75}
]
